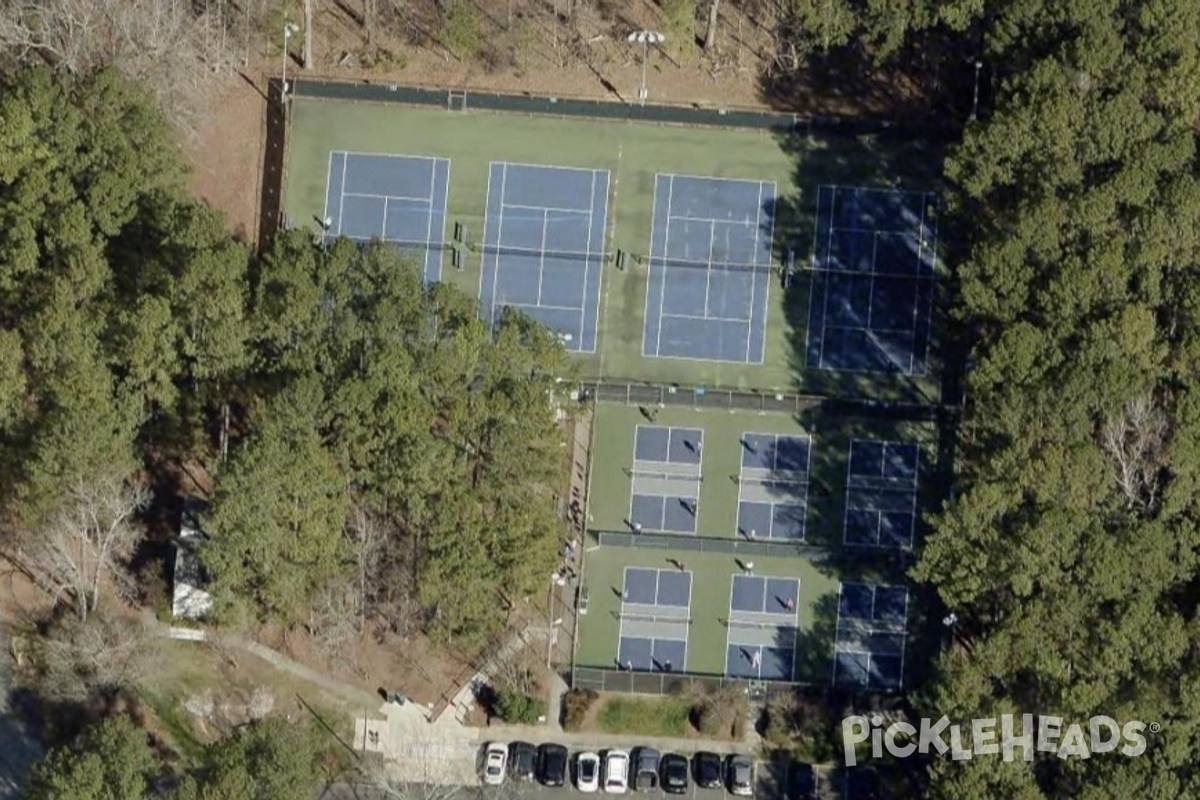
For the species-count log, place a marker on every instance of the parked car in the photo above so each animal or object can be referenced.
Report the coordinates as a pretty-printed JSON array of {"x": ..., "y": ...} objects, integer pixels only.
[
  {"x": 674, "y": 772},
  {"x": 587, "y": 772},
  {"x": 645, "y": 769},
  {"x": 706, "y": 768},
  {"x": 552, "y": 764},
  {"x": 522, "y": 759},
  {"x": 495, "y": 759},
  {"x": 616, "y": 772},
  {"x": 739, "y": 775}
]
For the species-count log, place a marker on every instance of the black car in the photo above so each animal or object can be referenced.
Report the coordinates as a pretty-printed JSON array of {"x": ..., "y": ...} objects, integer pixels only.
[
  {"x": 645, "y": 769},
  {"x": 552, "y": 764},
  {"x": 674, "y": 771},
  {"x": 522, "y": 758},
  {"x": 706, "y": 768}
]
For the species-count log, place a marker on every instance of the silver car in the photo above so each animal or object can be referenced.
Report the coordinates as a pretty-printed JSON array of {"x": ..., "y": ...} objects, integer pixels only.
[{"x": 739, "y": 775}]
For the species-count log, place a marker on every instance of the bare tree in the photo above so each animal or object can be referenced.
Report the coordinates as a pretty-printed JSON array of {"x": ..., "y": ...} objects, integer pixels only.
[
  {"x": 1136, "y": 441},
  {"x": 174, "y": 48},
  {"x": 88, "y": 541},
  {"x": 76, "y": 659},
  {"x": 710, "y": 31}
]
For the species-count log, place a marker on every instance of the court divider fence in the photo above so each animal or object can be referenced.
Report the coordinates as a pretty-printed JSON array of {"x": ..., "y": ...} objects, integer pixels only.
[{"x": 654, "y": 395}]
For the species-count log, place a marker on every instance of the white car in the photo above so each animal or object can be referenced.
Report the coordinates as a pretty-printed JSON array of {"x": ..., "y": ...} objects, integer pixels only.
[
  {"x": 616, "y": 772},
  {"x": 495, "y": 759},
  {"x": 587, "y": 772}
]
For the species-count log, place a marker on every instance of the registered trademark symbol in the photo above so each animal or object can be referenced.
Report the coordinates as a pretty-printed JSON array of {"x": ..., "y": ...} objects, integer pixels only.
[{"x": 1155, "y": 727}]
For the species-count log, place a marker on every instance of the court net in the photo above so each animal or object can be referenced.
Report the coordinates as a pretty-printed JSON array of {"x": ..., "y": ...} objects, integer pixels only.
[
  {"x": 688, "y": 478},
  {"x": 752, "y": 625},
  {"x": 532, "y": 252},
  {"x": 631, "y": 617},
  {"x": 719, "y": 266}
]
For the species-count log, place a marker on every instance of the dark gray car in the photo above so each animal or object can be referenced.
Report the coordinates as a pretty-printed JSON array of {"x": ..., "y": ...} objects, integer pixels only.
[{"x": 645, "y": 769}]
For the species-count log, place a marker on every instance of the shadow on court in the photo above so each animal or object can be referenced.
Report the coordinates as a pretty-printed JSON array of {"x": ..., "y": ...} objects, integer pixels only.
[{"x": 885, "y": 161}]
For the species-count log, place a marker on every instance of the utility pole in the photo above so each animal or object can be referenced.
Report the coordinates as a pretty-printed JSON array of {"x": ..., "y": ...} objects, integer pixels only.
[
  {"x": 289, "y": 28},
  {"x": 645, "y": 38}
]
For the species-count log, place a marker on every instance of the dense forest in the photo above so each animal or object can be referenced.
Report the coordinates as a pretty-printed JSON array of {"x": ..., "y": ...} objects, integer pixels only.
[{"x": 134, "y": 330}]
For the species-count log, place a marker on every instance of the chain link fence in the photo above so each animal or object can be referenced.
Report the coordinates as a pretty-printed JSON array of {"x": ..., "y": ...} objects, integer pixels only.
[{"x": 667, "y": 683}]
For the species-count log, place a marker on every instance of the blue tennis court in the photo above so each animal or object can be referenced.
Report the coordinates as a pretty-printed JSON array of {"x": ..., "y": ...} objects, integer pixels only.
[
  {"x": 874, "y": 261},
  {"x": 398, "y": 199},
  {"x": 666, "y": 476},
  {"x": 654, "y": 620},
  {"x": 709, "y": 269},
  {"x": 773, "y": 486},
  {"x": 881, "y": 494},
  {"x": 760, "y": 639},
  {"x": 543, "y": 247},
  {"x": 871, "y": 627}
]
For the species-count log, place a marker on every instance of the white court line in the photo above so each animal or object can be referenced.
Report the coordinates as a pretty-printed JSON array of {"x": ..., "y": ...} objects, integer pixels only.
[
  {"x": 812, "y": 280},
  {"x": 770, "y": 250},
  {"x": 712, "y": 235},
  {"x": 384, "y": 235},
  {"x": 551, "y": 167},
  {"x": 342, "y": 193},
  {"x": 328, "y": 189},
  {"x": 837, "y": 626},
  {"x": 426, "y": 200},
  {"x": 828, "y": 252},
  {"x": 499, "y": 237},
  {"x": 429, "y": 223},
  {"x": 711, "y": 178},
  {"x": 662, "y": 297},
  {"x": 483, "y": 257},
  {"x": 587, "y": 262},
  {"x": 621, "y": 621},
  {"x": 387, "y": 155},
  {"x": 871, "y": 296},
  {"x": 754, "y": 284},
  {"x": 549, "y": 209},
  {"x": 869, "y": 330},
  {"x": 650, "y": 267},
  {"x": 542, "y": 255},
  {"x": 438, "y": 258}
]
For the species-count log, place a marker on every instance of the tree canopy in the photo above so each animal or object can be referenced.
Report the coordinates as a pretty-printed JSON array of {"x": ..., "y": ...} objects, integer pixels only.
[
  {"x": 396, "y": 397},
  {"x": 112, "y": 760},
  {"x": 1070, "y": 552}
]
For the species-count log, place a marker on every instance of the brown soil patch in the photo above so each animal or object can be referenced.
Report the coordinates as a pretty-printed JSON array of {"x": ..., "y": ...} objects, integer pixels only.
[{"x": 414, "y": 665}]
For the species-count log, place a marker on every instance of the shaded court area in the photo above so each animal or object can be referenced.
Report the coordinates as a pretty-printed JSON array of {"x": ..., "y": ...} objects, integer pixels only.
[
  {"x": 874, "y": 262},
  {"x": 761, "y": 628},
  {"x": 773, "y": 485},
  {"x": 654, "y": 620},
  {"x": 396, "y": 198},
  {"x": 709, "y": 268},
  {"x": 871, "y": 627},
  {"x": 881, "y": 494},
  {"x": 543, "y": 247},
  {"x": 666, "y": 478}
]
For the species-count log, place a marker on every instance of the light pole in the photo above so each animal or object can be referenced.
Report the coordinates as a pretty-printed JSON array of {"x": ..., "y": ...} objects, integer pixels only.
[
  {"x": 645, "y": 38},
  {"x": 288, "y": 29},
  {"x": 975, "y": 98}
]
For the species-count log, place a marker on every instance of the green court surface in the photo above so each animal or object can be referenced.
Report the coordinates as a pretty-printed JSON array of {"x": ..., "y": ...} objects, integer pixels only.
[
  {"x": 612, "y": 459},
  {"x": 634, "y": 153},
  {"x": 716, "y": 552}
]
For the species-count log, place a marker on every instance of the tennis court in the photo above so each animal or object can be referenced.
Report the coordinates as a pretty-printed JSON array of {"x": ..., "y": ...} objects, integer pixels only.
[
  {"x": 543, "y": 247},
  {"x": 654, "y": 620},
  {"x": 773, "y": 485},
  {"x": 665, "y": 490},
  {"x": 709, "y": 268},
  {"x": 881, "y": 494},
  {"x": 396, "y": 198},
  {"x": 761, "y": 629},
  {"x": 874, "y": 256},
  {"x": 871, "y": 627}
]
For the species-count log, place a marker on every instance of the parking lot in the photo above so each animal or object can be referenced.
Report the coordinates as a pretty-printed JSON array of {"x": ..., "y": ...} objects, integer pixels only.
[{"x": 770, "y": 785}]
